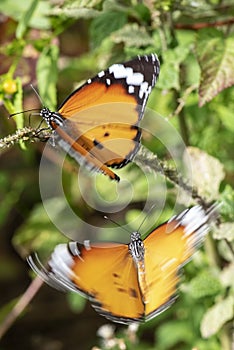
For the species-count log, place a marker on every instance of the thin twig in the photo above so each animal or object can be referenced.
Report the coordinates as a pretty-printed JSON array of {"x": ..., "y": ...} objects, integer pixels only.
[
  {"x": 200, "y": 25},
  {"x": 23, "y": 302},
  {"x": 25, "y": 134},
  {"x": 182, "y": 100},
  {"x": 146, "y": 159}
]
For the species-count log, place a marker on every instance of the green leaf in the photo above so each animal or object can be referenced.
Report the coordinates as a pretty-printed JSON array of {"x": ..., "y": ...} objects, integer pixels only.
[
  {"x": 170, "y": 69},
  {"x": 132, "y": 35},
  {"x": 205, "y": 284},
  {"x": 105, "y": 24},
  {"x": 206, "y": 173},
  {"x": 227, "y": 208},
  {"x": 178, "y": 331},
  {"x": 215, "y": 55},
  {"x": 224, "y": 231},
  {"x": 169, "y": 76},
  {"x": 18, "y": 9},
  {"x": 217, "y": 316},
  {"x": 25, "y": 19},
  {"x": 226, "y": 276},
  {"x": 47, "y": 74},
  {"x": 76, "y": 302},
  {"x": 77, "y": 9},
  {"x": 74, "y": 12}
]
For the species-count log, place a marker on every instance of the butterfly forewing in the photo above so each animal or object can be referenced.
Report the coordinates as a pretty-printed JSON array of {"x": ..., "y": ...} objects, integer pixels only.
[
  {"x": 167, "y": 249},
  {"x": 106, "y": 274}
]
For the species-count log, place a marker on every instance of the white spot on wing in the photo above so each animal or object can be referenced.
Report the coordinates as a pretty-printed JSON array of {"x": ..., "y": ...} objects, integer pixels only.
[
  {"x": 135, "y": 79},
  {"x": 87, "y": 244},
  {"x": 119, "y": 71},
  {"x": 101, "y": 74},
  {"x": 143, "y": 89}
]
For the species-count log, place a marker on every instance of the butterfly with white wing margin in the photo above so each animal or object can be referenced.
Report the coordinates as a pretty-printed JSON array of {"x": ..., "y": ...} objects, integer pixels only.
[{"x": 132, "y": 282}]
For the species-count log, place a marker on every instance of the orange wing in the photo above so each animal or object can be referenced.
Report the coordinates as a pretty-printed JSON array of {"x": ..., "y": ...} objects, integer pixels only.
[
  {"x": 167, "y": 249},
  {"x": 98, "y": 123},
  {"x": 129, "y": 283},
  {"x": 104, "y": 273}
]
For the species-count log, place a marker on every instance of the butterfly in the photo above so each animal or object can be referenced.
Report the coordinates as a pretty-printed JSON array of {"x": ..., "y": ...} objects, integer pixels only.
[
  {"x": 128, "y": 282},
  {"x": 98, "y": 124}
]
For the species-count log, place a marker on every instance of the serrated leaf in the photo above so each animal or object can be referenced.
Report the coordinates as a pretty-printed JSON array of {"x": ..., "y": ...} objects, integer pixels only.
[
  {"x": 77, "y": 9},
  {"x": 217, "y": 316},
  {"x": 75, "y": 12},
  {"x": 215, "y": 56},
  {"x": 132, "y": 35},
  {"x": 224, "y": 231},
  {"x": 105, "y": 24},
  {"x": 205, "y": 284},
  {"x": 47, "y": 74},
  {"x": 206, "y": 173}
]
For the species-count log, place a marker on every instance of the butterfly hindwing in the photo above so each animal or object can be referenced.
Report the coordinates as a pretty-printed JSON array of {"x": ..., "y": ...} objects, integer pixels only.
[{"x": 167, "y": 249}]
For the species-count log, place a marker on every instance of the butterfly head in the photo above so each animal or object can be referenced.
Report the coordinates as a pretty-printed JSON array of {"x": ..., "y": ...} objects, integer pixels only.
[{"x": 51, "y": 118}]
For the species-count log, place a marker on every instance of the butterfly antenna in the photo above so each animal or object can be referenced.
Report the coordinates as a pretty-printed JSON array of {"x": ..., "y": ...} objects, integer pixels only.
[
  {"x": 38, "y": 96},
  {"x": 143, "y": 221},
  {"x": 117, "y": 224},
  {"x": 27, "y": 110}
]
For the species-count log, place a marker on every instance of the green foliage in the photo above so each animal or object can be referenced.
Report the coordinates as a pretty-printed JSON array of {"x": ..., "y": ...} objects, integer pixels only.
[
  {"x": 217, "y": 316},
  {"x": 25, "y": 20},
  {"x": 105, "y": 24},
  {"x": 39, "y": 234},
  {"x": 58, "y": 45},
  {"x": 47, "y": 75},
  {"x": 31, "y": 13},
  {"x": 76, "y": 302},
  {"x": 204, "y": 284}
]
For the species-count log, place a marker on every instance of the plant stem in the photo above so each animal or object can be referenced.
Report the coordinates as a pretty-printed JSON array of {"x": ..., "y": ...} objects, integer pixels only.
[{"x": 22, "y": 303}]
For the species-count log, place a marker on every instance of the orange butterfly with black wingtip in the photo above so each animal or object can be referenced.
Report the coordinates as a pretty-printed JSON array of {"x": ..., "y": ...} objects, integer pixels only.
[
  {"x": 129, "y": 282},
  {"x": 97, "y": 124}
]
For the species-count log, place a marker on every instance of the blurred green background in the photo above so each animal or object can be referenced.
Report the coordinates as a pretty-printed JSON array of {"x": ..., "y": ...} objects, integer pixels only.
[{"x": 56, "y": 45}]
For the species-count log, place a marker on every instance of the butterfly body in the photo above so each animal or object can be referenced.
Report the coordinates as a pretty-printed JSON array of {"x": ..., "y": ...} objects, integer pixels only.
[
  {"x": 128, "y": 282},
  {"x": 98, "y": 124}
]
